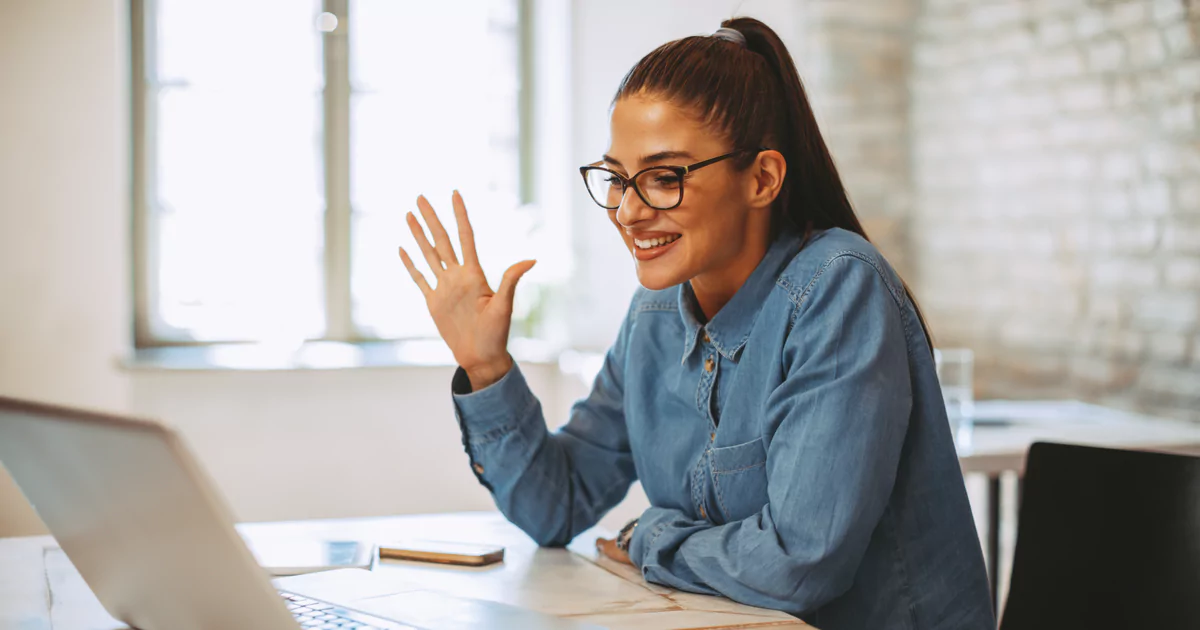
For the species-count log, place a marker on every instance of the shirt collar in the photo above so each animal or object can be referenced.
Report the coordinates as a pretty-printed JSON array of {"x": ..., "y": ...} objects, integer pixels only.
[{"x": 730, "y": 327}]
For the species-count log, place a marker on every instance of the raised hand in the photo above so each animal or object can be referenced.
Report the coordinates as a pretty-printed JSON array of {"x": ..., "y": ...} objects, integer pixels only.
[{"x": 472, "y": 319}]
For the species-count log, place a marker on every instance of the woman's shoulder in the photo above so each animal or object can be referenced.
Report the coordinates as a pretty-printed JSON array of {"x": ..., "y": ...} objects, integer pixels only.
[{"x": 837, "y": 247}]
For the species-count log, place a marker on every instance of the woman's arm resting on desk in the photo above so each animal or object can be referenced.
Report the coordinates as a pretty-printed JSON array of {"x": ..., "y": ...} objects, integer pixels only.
[{"x": 841, "y": 416}]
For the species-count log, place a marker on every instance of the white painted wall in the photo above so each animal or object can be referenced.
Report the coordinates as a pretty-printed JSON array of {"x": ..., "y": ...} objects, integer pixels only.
[
  {"x": 64, "y": 297},
  {"x": 328, "y": 443},
  {"x": 280, "y": 445}
]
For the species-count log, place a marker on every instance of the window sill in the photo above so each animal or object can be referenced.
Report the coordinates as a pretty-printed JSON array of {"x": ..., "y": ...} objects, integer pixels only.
[{"x": 331, "y": 355}]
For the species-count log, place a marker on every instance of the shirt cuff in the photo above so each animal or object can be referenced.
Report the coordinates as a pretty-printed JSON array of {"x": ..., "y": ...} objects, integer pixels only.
[
  {"x": 498, "y": 406},
  {"x": 650, "y": 525}
]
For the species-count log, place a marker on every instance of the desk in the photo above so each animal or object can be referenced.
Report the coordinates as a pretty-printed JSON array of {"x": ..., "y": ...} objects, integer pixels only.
[
  {"x": 998, "y": 442},
  {"x": 40, "y": 590},
  {"x": 576, "y": 583}
]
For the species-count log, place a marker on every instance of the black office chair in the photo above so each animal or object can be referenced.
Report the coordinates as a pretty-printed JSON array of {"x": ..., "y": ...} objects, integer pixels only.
[{"x": 1107, "y": 539}]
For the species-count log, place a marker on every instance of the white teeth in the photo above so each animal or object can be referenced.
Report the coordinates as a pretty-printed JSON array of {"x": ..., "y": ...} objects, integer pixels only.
[{"x": 655, "y": 242}]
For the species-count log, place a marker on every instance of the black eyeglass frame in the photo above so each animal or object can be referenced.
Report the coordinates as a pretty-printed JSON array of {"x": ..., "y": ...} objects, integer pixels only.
[{"x": 680, "y": 172}]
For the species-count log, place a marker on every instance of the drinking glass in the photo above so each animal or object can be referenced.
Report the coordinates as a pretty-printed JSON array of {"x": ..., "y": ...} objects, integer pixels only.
[{"x": 955, "y": 371}]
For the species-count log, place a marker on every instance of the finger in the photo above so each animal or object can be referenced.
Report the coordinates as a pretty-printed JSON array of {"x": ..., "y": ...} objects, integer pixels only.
[
  {"x": 441, "y": 240},
  {"x": 431, "y": 255},
  {"x": 508, "y": 284},
  {"x": 466, "y": 234},
  {"x": 416, "y": 275},
  {"x": 610, "y": 550}
]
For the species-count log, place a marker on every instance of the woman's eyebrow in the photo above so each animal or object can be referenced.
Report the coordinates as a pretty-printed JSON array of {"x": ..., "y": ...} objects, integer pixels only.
[
  {"x": 665, "y": 155},
  {"x": 654, "y": 157}
]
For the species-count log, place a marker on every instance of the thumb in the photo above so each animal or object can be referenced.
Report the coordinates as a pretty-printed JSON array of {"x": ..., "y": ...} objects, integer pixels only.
[{"x": 508, "y": 284}]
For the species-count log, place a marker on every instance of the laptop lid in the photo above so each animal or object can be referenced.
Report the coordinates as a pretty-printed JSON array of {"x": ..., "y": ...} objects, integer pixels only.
[{"x": 138, "y": 518}]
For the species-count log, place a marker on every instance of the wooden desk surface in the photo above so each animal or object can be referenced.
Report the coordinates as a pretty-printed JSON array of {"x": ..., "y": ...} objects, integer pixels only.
[{"x": 40, "y": 590}]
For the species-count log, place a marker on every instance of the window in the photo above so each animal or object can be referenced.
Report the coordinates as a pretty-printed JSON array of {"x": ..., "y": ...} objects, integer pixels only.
[{"x": 279, "y": 143}]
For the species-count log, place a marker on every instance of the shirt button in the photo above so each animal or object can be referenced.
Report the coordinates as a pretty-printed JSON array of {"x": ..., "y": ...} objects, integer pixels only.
[
  {"x": 702, "y": 514},
  {"x": 478, "y": 469},
  {"x": 709, "y": 364},
  {"x": 712, "y": 436},
  {"x": 704, "y": 336}
]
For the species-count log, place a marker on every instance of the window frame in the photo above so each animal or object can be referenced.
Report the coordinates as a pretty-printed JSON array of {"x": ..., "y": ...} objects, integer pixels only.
[{"x": 149, "y": 330}]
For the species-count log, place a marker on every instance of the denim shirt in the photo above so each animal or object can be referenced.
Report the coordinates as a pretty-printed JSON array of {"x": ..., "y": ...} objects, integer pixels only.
[{"x": 795, "y": 449}]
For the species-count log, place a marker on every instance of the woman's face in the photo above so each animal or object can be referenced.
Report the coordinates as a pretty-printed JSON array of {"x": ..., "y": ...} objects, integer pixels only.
[{"x": 713, "y": 225}]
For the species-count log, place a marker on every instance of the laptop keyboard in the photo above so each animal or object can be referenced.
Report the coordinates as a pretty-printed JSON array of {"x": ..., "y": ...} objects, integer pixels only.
[{"x": 310, "y": 613}]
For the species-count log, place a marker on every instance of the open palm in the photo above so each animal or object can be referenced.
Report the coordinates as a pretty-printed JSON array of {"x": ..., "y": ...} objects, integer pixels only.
[{"x": 472, "y": 319}]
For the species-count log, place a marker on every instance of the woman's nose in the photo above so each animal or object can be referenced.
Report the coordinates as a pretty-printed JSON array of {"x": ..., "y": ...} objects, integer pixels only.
[{"x": 633, "y": 209}]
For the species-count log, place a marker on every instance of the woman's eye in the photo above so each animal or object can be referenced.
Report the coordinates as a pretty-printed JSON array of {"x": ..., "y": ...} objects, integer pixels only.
[
  {"x": 667, "y": 180},
  {"x": 612, "y": 180}
]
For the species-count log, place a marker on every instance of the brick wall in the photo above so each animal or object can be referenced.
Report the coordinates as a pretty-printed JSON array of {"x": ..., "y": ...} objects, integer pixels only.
[
  {"x": 1055, "y": 216},
  {"x": 855, "y": 63}
]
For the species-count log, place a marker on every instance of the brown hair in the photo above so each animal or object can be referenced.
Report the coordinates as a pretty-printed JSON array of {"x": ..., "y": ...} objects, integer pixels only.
[{"x": 753, "y": 95}]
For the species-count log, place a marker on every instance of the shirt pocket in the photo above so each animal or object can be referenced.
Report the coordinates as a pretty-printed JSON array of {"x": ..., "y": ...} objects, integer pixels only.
[{"x": 739, "y": 474}]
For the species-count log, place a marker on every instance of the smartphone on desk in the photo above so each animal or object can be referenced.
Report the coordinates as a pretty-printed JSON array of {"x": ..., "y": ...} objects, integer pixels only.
[{"x": 442, "y": 552}]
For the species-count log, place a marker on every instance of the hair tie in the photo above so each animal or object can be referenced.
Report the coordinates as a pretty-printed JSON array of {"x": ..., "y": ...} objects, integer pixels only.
[{"x": 730, "y": 35}]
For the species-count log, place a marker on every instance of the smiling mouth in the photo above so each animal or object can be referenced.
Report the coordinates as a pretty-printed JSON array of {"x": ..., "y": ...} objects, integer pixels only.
[{"x": 655, "y": 242}]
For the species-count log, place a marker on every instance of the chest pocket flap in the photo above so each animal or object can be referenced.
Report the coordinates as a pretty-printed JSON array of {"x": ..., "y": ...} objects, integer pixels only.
[{"x": 739, "y": 475}]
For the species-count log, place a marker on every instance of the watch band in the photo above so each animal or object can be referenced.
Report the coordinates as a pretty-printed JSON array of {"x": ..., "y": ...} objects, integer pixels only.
[{"x": 626, "y": 535}]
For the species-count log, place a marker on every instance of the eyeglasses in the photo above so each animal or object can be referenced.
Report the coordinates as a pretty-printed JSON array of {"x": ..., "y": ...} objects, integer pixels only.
[{"x": 660, "y": 187}]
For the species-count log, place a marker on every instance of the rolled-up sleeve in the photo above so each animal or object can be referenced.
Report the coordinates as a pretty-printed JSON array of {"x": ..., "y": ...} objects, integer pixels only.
[
  {"x": 551, "y": 485},
  {"x": 835, "y": 427}
]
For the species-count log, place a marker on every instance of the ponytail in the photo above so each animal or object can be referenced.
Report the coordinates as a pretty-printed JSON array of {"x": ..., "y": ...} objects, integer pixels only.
[{"x": 813, "y": 195}]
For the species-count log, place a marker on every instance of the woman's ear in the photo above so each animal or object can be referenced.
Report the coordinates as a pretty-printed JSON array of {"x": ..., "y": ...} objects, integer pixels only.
[{"x": 767, "y": 174}]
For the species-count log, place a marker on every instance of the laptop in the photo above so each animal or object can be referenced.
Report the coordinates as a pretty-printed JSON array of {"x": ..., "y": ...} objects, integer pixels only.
[{"x": 155, "y": 542}]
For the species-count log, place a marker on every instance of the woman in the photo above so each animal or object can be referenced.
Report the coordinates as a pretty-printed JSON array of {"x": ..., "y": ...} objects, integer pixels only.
[{"x": 772, "y": 385}]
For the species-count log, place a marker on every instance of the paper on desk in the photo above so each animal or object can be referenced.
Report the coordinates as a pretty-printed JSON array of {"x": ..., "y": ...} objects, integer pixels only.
[
  {"x": 585, "y": 545},
  {"x": 72, "y": 604}
]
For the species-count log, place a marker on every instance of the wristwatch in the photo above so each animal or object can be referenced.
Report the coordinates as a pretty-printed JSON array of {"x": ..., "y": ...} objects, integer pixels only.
[{"x": 626, "y": 535}]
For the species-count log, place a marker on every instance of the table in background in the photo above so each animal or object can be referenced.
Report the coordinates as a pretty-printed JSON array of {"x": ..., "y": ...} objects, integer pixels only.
[
  {"x": 40, "y": 590},
  {"x": 998, "y": 439}
]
